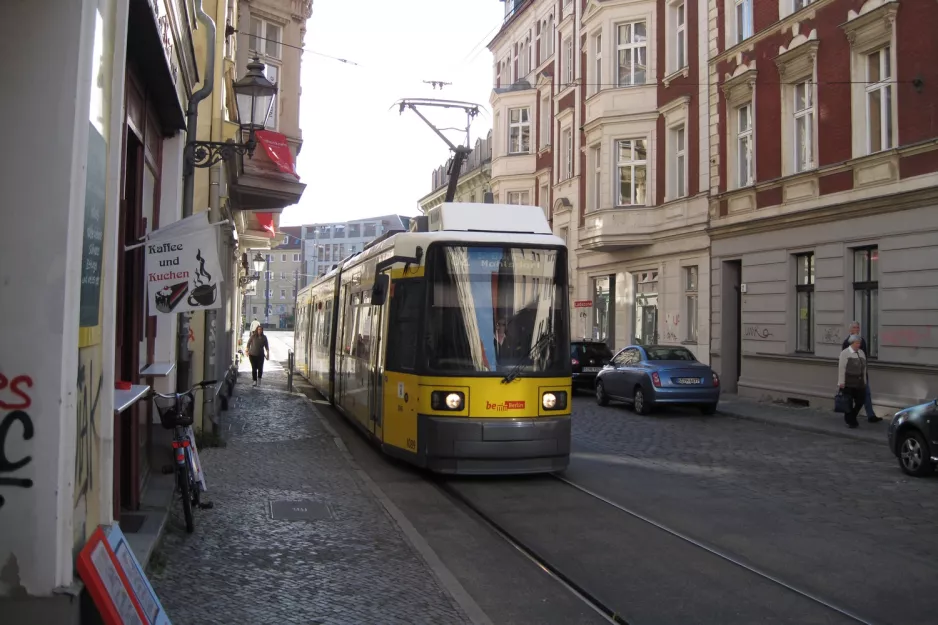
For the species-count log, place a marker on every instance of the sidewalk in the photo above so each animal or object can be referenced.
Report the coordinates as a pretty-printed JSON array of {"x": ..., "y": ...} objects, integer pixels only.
[
  {"x": 807, "y": 419},
  {"x": 347, "y": 562}
]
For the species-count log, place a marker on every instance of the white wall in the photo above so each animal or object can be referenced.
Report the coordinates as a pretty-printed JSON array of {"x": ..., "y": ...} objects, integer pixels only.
[{"x": 43, "y": 183}]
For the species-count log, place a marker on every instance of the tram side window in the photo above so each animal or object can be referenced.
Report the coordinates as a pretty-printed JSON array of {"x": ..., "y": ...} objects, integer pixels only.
[
  {"x": 404, "y": 325},
  {"x": 325, "y": 325},
  {"x": 362, "y": 347},
  {"x": 351, "y": 323}
]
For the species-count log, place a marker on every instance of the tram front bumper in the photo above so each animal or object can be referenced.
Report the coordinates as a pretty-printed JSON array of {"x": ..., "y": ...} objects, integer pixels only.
[{"x": 482, "y": 446}]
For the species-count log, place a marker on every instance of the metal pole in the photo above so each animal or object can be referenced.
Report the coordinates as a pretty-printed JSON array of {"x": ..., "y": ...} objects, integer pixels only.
[{"x": 267, "y": 293}]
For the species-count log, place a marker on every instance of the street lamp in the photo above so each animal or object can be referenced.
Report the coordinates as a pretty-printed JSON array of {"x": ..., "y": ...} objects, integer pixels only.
[
  {"x": 254, "y": 97},
  {"x": 259, "y": 263}
]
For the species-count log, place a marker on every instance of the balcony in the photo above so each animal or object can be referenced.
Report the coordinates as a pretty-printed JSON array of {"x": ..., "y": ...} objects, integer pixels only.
[
  {"x": 514, "y": 7},
  {"x": 256, "y": 184},
  {"x": 613, "y": 229}
]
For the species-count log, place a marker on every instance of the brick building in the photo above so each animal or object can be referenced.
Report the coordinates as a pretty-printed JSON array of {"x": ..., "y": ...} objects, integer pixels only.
[
  {"x": 823, "y": 172},
  {"x": 598, "y": 110}
]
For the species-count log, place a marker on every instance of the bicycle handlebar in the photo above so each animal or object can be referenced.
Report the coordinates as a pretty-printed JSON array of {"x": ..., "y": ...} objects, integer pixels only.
[{"x": 196, "y": 387}]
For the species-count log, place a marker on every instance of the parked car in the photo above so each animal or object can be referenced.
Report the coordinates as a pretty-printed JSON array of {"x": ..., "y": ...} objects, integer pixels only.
[
  {"x": 646, "y": 376},
  {"x": 587, "y": 357},
  {"x": 913, "y": 438}
]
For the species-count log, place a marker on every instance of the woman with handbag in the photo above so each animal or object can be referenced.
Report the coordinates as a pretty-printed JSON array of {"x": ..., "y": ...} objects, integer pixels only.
[{"x": 852, "y": 378}]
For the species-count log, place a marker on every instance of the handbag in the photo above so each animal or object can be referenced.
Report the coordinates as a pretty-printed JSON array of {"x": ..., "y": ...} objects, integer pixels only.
[{"x": 842, "y": 402}]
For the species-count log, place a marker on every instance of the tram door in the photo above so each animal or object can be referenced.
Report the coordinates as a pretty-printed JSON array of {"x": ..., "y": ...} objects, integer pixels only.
[{"x": 376, "y": 370}]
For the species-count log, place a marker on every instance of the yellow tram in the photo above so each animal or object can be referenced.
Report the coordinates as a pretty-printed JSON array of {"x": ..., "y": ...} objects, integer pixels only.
[{"x": 449, "y": 345}]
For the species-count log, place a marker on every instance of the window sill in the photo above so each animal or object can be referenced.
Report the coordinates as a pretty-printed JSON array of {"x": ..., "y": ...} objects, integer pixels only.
[{"x": 684, "y": 72}]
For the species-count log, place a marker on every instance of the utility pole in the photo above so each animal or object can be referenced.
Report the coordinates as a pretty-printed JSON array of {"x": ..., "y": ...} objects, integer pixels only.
[
  {"x": 267, "y": 293},
  {"x": 459, "y": 152}
]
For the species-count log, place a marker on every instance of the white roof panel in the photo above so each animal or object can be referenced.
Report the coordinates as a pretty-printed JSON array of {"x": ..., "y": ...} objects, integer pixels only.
[{"x": 475, "y": 217}]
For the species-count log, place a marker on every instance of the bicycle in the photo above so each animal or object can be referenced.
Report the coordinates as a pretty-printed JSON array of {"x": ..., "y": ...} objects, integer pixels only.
[{"x": 178, "y": 415}]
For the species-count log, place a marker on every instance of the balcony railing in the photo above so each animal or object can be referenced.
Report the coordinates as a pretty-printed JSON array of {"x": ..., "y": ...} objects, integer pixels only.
[{"x": 513, "y": 7}]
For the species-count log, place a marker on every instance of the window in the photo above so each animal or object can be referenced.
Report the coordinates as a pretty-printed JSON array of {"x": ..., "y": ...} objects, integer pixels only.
[
  {"x": 339, "y": 232},
  {"x": 797, "y": 5},
  {"x": 597, "y": 63},
  {"x": 804, "y": 126},
  {"x": 518, "y": 197},
  {"x": 545, "y": 121},
  {"x": 254, "y": 310},
  {"x": 519, "y": 131},
  {"x": 632, "y": 159},
  {"x": 866, "y": 295},
  {"x": 547, "y": 30},
  {"x": 296, "y": 258},
  {"x": 596, "y": 159},
  {"x": 368, "y": 230},
  {"x": 879, "y": 100},
  {"x": 523, "y": 68},
  {"x": 631, "y": 46},
  {"x": 545, "y": 200},
  {"x": 743, "y": 15},
  {"x": 283, "y": 258},
  {"x": 804, "y": 302},
  {"x": 283, "y": 294},
  {"x": 679, "y": 44},
  {"x": 354, "y": 231},
  {"x": 265, "y": 38},
  {"x": 744, "y": 146},
  {"x": 567, "y": 153},
  {"x": 568, "y": 61},
  {"x": 679, "y": 175},
  {"x": 690, "y": 302}
]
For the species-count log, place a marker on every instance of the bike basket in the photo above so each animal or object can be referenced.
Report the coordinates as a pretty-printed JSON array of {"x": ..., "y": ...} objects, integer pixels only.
[{"x": 175, "y": 412}]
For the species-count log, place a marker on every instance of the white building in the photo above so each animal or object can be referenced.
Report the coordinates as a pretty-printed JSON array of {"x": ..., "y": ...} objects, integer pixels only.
[{"x": 325, "y": 244}]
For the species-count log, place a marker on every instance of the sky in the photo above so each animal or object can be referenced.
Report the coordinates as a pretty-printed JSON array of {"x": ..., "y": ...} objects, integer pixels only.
[{"x": 361, "y": 157}]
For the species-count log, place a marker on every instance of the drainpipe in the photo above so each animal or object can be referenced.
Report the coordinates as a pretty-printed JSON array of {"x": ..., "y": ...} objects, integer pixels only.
[{"x": 188, "y": 179}]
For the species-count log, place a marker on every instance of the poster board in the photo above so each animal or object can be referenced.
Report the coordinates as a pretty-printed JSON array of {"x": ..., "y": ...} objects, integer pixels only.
[
  {"x": 582, "y": 318},
  {"x": 116, "y": 581}
]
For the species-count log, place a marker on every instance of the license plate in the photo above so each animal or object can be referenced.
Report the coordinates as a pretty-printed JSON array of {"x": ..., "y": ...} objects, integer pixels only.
[
  {"x": 590, "y": 369},
  {"x": 688, "y": 380}
]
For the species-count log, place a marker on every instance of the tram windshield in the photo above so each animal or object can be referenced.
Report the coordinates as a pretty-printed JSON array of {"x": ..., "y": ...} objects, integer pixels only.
[{"x": 494, "y": 309}]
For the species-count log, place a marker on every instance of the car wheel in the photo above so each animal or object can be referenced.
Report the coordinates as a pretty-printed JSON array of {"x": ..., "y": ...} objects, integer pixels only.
[
  {"x": 914, "y": 455},
  {"x": 601, "y": 398},
  {"x": 640, "y": 402},
  {"x": 708, "y": 408}
]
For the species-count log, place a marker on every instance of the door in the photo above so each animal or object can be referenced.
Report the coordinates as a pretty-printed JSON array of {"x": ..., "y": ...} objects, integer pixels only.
[
  {"x": 649, "y": 334},
  {"x": 731, "y": 325},
  {"x": 376, "y": 370}
]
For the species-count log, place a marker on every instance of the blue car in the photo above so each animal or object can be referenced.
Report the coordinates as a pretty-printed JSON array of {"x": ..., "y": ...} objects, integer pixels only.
[{"x": 646, "y": 376}]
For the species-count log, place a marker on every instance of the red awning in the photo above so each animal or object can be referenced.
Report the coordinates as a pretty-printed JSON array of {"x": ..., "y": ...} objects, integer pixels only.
[{"x": 277, "y": 148}]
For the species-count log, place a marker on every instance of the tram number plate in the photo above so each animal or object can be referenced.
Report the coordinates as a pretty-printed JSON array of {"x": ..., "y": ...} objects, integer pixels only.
[
  {"x": 590, "y": 369},
  {"x": 411, "y": 443},
  {"x": 688, "y": 380}
]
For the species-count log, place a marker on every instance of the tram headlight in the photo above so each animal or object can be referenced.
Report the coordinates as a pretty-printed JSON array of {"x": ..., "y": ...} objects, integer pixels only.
[
  {"x": 447, "y": 400},
  {"x": 554, "y": 400}
]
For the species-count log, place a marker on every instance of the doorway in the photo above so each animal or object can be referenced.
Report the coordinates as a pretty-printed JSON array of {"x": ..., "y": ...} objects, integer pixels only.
[{"x": 731, "y": 325}]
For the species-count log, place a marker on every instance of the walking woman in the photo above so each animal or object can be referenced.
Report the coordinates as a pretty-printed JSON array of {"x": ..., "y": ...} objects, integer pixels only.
[
  {"x": 852, "y": 378},
  {"x": 257, "y": 346}
]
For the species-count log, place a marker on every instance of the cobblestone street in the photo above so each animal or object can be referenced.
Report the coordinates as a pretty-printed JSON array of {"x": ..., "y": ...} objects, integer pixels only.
[{"x": 240, "y": 566}]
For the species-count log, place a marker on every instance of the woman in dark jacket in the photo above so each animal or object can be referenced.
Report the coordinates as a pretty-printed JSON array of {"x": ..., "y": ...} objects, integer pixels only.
[{"x": 257, "y": 346}]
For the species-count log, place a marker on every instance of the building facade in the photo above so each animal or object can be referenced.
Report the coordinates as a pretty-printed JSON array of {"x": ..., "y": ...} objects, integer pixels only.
[
  {"x": 474, "y": 178},
  {"x": 598, "y": 110},
  {"x": 273, "y": 302},
  {"x": 824, "y": 204},
  {"x": 325, "y": 244},
  {"x": 78, "y": 451}
]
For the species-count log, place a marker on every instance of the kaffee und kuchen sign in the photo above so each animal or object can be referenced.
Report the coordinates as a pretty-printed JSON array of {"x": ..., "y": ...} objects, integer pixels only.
[{"x": 183, "y": 272}]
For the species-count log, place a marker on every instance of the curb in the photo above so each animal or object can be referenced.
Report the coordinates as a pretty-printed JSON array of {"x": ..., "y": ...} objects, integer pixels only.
[
  {"x": 446, "y": 578},
  {"x": 847, "y": 434}
]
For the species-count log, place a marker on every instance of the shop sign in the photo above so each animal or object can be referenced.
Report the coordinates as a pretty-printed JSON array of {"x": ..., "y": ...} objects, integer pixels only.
[
  {"x": 116, "y": 581},
  {"x": 182, "y": 269},
  {"x": 164, "y": 24}
]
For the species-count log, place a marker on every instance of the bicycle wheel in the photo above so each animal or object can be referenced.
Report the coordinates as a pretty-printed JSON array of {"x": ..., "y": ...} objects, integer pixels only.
[{"x": 184, "y": 476}]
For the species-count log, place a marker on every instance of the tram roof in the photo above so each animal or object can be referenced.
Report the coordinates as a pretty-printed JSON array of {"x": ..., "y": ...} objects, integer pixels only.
[{"x": 406, "y": 243}]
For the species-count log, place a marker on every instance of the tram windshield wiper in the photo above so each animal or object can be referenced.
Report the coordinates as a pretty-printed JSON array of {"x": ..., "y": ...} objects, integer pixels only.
[{"x": 544, "y": 338}]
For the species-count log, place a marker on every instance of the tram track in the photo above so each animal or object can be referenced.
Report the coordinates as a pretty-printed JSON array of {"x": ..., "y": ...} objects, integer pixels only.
[{"x": 553, "y": 566}]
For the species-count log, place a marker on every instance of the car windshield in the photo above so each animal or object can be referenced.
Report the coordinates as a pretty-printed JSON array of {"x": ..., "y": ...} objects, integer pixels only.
[
  {"x": 592, "y": 351},
  {"x": 493, "y": 308},
  {"x": 669, "y": 353}
]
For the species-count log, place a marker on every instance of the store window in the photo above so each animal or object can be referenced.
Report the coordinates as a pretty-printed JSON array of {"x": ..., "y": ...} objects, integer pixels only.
[
  {"x": 646, "y": 307},
  {"x": 603, "y": 309}
]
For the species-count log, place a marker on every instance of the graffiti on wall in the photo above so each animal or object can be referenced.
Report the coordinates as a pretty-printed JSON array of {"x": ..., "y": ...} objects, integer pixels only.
[
  {"x": 89, "y": 384},
  {"x": 15, "y": 401},
  {"x": 671, "y": 323},
  {"x": 831, "y": 335},
  {"x": 757, "y": 332},
  {"x": 912, "y": 336}
]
